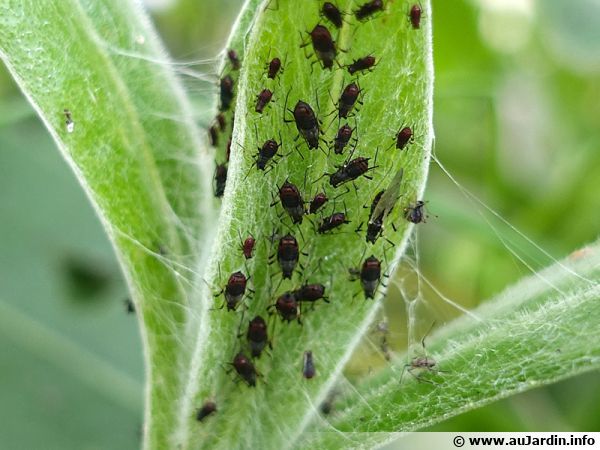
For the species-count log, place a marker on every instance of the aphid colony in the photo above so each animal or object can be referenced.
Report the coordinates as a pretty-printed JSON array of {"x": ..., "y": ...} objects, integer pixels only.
[{"x": 289, "y": 199}]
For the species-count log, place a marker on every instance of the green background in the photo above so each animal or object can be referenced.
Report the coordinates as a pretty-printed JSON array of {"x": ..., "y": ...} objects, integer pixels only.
[{"x": 517, "y": 122}]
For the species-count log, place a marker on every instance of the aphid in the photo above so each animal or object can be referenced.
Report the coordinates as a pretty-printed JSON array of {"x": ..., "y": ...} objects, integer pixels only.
[
  {"x": 228, "y": 150},
  {"x": 344, "y": 135},
  {"x": 257, "y": 336},
  {"x": 350, "y": 171},
  {"x": 263, "y": 100},
  {"x": 368, "y": 9},
  {"x": 308, "y": 367},
  {"x": 317, "y": 202},
  {"x": 415, "y": 16},
  {"x": 129, "y": 306},
  {"x": 206, "y": 410},
  {"x": 292, "y": 202},
  {"x": 248, "y": 247},
  {"x": 348, "y": 99},
  {"x": 288, "y": 254},
  {"x": 245, "y": 369},
  {"x": 323, "y": 45},
  {"x": 415, "y": 213},
  {"x": 235, "y": 290},
  {"x": 333, "y": 221},
  {"x": 226, "y": 92},
  {"x": 370, "y": 274},
  {"x": 220, "y": 179},
  {"x": 306, "y": 123},
  {"x": 327, "y": 405},
  {"x": 375, "y": 224},
  {"x": 310, "y": 293},
  {"x": 69, "y": 121},
  {"x": 266, "y": 153},
  {"x": 213, "y": 133},
  {"x": 287, "y": 307},
  {"x": 361, "y": 64},
  {"x": 332, "y": 13},
  {"x": 403, "y": 137},
  {"x": 421, "y": 364},
  {"x": 220, "y": 119},
  {"x": 233, "y": 59},
  {"x": 274, "y": 66}
]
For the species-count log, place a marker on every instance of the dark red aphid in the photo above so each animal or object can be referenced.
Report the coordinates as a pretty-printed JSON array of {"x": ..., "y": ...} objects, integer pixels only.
[
  {"x": 348, "y": 99},
  {"x": 228, "y": 149},
  {"x": 368, "y": 9},
  {"x": 350, "y": 171},
  {"x": 235, "y": 290},
  {"x": 206, "y": 410},
  {"x": 263, "y": 100},
  {"x": 415, "y": 16},
  {"x": 288, "y": 254},
  {"x": 220, "y": 119},
  {"x": 226, "y": 92},
  {"x": 248, "y": 247},
  {"x": 333, "y": 221},
  {"x": 308, "y": 367},
  {"x": 292, "y": 202},
  {"x": 403, "y": 137},
  {"x": 310, "y": 293},
  {"x": 287, "y": 307},
  {"x": 266, "y": 153},
  {"x": 274, "y": 66},
  {"x": 233, "y": 59},
  {"x": 361, "y": 64},
  {"x": 213, "y": 134},
  {"x": 307, "y": 123},
  {"x": 245, "y": 369},
  {"x": 370, "y": 275},
  {"x": 220, "y": 180},
  {"x": 332, "y": 13},
  {"x": 344, "y": 135},
  {"x": 317, "y": 202},
  {"x": 415, "y": 213},
  {"x": 257, "y": 336},
  {"x": 323, "y": 45}
]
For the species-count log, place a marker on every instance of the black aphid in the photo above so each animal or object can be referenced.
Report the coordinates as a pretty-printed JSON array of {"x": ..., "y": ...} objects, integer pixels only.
[
  {"x": 263, "y": 100},
  {"x": 361, "y": 64},
  {"x": 274, "y": 66},
  {"x": 306, "y": 123},
  {"x": 375, "y": 224},
  {"x": 368, "y": 9},
  {"x": 220, "y": 180},
  {"x": 287, "y": 307},
  {"x": 206, "y": 410},
  {"x": 332, "y": 13},
  {"x": 245, "y": 369},
  {"x": 226, "y": 92},
  {"x": 370, "y": 276},
  {"x": 415, "y": 16},
  {"x": 233, "y": 59},
  {"x": 331, "y": 222},
  {"x": 342, "y": 138},
  {"x": 129, "y": 306},
  {"x": 415, "y": 213},
  {"x": 349, "y": 171},
  {"x": 220, "y": 119},
  {"x": 288, "y": 254},
  {"x": 348, "y": 99},
  {"x": 310, "y": 293},
  {"x": 257, "y": 336},
  {"x": 308, "y": 366},
  {"x": 317, "y": 202},
  {"x": 266, "y": 153},
  {"x": 403, "y": 137},
  {"x": 235, "y": 290},
  {"x": 323, "y": 45},
  {"x": 248, "y": 247},
  {"x": 291, "y": 200},
  {"x": 213, "y": 134}
]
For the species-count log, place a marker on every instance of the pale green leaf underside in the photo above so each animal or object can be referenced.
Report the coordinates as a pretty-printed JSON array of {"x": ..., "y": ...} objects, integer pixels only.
[
  {"x": 542, "y": 329},
  {"x": 396, "y": 92}
]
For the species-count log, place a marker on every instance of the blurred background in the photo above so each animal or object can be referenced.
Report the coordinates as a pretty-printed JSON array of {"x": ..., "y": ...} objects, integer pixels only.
[{"x": 517, "y": 122}]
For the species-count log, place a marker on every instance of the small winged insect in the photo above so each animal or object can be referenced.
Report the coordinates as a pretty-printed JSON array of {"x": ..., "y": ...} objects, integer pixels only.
[
  {"x": 375, "y": 224},
  {"x": 348, "y": 99},
  {"x": 415, "y": 16},
  {"x": 306, "y": 123},
  {"x": 370, "y": 276},
  {"x": 69, "y": 121},
  {"x": 245, "y": 369},
  {"x": 317, "y": 202},
  {"x": 234, "y": 290},
  {"x": 415, "y": 213},
  {"x": 291, "y": 200},
  {"x": 382, "y": 205},
  {"x": 287, "y": 307},
  {"x": 206, "y": 410},
  {"x": 342, "y": 139},
  {"x": 248, "y": 247},
  {"x": 332, "y": 222},
  {"x": 262, "y": 100},
  {"x": 213, "y": 134},
  {"x": 233, "y": 59},
  {"x": 350, "y": 171},
  {"x": 257, "y": 336},
  {"x": 422, "y": 364},
  {"x": 310, "y": 293},
  {"x": 274, "y": 67},
  {"x": 361, "y": 64},
  {"x": 220, "y": 180},
  {"x": 308, "y": 366},
  {"x": 333, "y": 14},
  {"x": 367, "y": 10},
  {"x": 323, "y": 45},
  {"x": 226, "y": 85},
  {"x": 403, "y": 137},
  {"x": 288, "y": 254}
]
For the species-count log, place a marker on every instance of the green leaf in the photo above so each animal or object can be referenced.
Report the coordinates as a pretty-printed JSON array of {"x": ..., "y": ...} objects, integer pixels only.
[
  {"x": 541, "y": 330},
  {"x": 396, "y": 92},
  {"x": 136, "y": 152}
]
